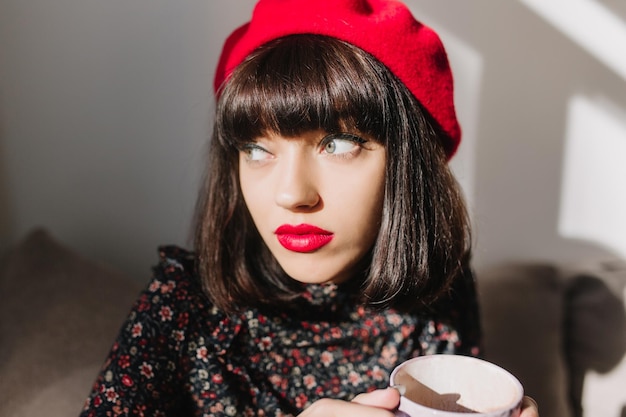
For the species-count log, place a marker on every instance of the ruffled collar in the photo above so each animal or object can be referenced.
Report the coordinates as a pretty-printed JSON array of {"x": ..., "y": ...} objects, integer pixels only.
[{"x": 326, "y": 302}]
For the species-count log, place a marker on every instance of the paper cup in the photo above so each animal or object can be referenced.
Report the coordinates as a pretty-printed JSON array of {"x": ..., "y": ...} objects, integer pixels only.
[{"x": 456, "y": 386}]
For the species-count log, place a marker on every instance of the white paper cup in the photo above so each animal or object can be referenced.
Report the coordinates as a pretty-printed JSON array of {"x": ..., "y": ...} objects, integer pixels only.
[{"x": 456, "y": 386}]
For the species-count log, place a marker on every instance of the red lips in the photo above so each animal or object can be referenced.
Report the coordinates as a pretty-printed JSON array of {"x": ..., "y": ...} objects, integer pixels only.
[{"x": 303, "y": 237}]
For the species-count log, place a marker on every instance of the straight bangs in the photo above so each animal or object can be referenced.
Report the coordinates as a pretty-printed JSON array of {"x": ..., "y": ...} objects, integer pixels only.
[{"x": 302, "y": 83}]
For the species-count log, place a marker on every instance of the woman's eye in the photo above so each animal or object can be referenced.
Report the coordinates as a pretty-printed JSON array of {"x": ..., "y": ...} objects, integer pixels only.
[
  {"x": 340, "y": 144},
  {"x": 255, "y": 152}
]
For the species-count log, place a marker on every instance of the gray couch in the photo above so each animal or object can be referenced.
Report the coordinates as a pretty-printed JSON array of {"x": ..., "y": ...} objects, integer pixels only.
[
  {"x": 562, "y": 331},
  {"x": 59, "y": 314}
]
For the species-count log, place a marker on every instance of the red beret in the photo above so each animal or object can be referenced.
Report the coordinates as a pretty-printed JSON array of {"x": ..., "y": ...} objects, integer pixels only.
[{"x": 384, "y": 28}]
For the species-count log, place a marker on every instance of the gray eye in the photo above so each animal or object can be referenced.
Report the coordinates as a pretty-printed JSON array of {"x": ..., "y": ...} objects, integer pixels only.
[
  {"x": 330, "y": 147},
  {"x": 337, "y": 145}
]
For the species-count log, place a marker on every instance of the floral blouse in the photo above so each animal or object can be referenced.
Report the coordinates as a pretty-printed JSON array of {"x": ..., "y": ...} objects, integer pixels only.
[{"x": 177, "y": 355}]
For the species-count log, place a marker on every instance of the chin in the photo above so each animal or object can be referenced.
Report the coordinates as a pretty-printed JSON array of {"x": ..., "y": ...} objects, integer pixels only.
[
  {"x": 310, "y": 278},
  {"x": 316, "y": 268},
  {"x": 306, "y": 275}
]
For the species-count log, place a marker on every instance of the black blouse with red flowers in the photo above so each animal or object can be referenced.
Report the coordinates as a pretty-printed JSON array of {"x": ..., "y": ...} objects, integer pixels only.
[{"x": 177, "y": 355}]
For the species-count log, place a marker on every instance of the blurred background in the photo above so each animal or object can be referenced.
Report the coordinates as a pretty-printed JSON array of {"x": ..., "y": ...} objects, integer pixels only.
[{"x": 106, "y": 108}]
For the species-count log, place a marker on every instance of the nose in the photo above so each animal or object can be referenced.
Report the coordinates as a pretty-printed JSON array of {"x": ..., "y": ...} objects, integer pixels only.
[{"x": 296, "y": 186}]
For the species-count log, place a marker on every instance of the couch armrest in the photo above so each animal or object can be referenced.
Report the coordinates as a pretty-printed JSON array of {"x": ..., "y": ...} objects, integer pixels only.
[
  {"x": 595, "y": 337},
  {"x": 59, "y": 314},
  {"x": 522, "y": 311}
]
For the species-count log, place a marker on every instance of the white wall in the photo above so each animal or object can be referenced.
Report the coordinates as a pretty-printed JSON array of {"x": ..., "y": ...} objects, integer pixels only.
[{"x": 105, "y": 110}]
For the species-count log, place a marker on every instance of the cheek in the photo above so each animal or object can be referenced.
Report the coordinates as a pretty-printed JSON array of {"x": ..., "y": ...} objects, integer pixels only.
[
  {"x": 252, "y": 199},
  {"x": 360, "y": 203},
  {"x": 259, "y": 202},
  {"x": 248, "y": 194},
  {"x": 375, "y": 201},
  {"x": 249, "y": 189},
  {"x": 372, "y": 209}
]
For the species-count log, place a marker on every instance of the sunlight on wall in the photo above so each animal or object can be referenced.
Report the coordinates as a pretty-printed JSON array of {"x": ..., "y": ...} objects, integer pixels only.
[
  {"x": 593, "y": 200},
  {"x": 591, "y": 25}
]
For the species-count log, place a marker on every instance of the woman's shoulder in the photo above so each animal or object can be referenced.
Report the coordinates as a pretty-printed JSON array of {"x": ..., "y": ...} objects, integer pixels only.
[
  {"x": 174, "y": 280},
  {"x": 176, "y": 262},
  {"x": 172, "y": 332},
  {"x": 455, "y": 317},
  {"x": 175, "y": 276},
  {"x": 175, "y": 301}
]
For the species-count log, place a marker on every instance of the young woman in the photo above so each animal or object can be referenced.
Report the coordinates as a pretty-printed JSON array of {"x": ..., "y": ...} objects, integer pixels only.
[{"x": 332, "y": 242}]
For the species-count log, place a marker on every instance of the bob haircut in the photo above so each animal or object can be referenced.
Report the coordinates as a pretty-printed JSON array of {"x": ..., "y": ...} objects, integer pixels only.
[{"x": 301, "y": 83}]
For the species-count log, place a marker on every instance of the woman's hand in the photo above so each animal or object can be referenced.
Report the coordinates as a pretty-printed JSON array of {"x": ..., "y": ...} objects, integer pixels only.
[
  {"x": 529, "y": 408},
  {"x": 379, "y": 403}
]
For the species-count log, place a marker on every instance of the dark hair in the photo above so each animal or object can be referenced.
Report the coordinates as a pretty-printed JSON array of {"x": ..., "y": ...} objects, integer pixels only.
[{"x": 310, "y": 82}]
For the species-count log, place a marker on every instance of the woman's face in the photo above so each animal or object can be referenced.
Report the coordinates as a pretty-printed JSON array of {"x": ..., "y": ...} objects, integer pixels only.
[{"x": 316, "y": 200}]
